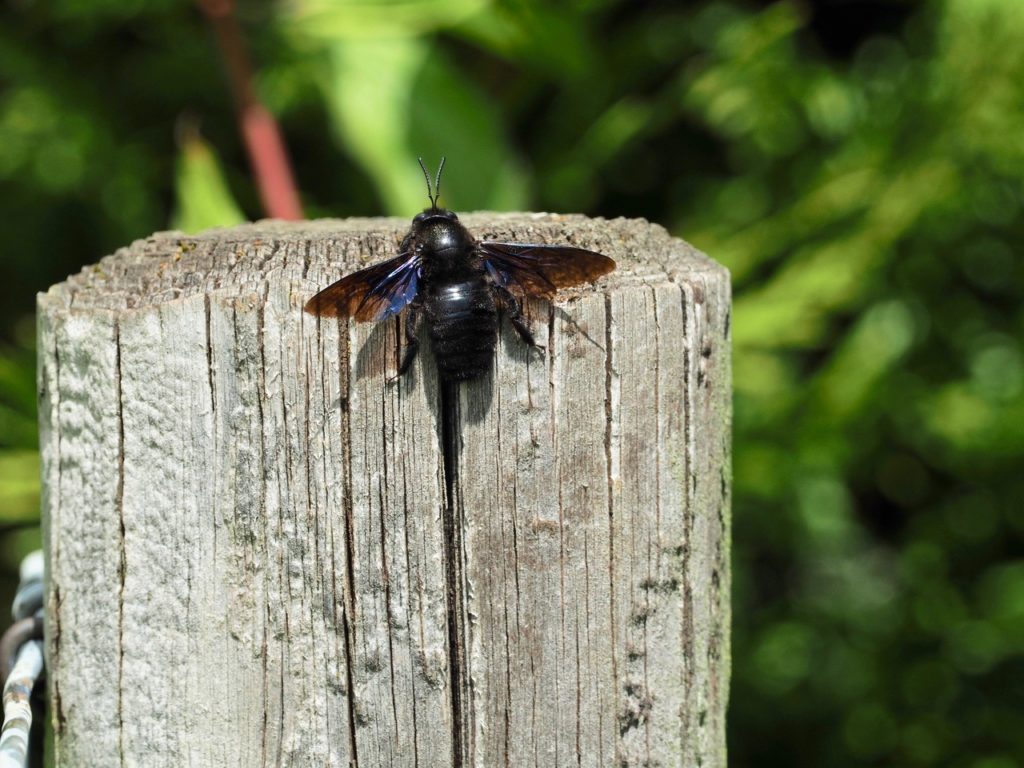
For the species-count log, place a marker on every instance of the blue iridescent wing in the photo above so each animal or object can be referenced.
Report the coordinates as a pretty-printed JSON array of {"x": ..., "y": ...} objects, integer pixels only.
[
  {"x": 370, "y": 294},
  {"x": 540, "y": 270}
]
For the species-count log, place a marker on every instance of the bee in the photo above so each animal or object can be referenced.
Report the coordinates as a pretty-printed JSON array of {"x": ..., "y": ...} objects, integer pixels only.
[{"x": 459, "y": 285}]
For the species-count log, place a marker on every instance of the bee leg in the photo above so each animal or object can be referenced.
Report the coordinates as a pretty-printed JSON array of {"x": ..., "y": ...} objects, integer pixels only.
[
  {"x": 412, "y": 344},
  {"x": 515, "y": 314}
]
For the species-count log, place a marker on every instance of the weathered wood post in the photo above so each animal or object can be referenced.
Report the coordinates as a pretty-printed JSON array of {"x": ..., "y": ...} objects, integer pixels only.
[{"x": 244, "y": 523}]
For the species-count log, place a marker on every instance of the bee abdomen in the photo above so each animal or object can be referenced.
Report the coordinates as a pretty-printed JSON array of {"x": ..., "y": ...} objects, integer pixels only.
[{"x": 464, "y": 325}]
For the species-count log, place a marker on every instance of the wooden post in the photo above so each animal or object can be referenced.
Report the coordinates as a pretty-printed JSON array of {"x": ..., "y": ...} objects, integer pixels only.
[{"x": 244, "y": 522}]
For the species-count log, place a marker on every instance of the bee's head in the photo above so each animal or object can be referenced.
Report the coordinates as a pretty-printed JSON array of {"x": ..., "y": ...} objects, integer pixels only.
[
  {"x": 431, "y": 215},
  {"x": 437, "y": 229}
]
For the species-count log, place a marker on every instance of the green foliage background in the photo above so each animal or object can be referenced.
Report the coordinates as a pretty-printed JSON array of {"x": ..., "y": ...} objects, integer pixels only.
[{"x": 857, "y": 166}]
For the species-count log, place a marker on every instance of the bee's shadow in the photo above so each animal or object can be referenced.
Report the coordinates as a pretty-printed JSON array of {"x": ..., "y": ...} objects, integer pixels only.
[
  {"x": 380, "y": 355},
  {"x": 376, "y": 350},
  {"x": 576, "y": 327},
  {"x": 381, "y": 352},
  {"x": 477, "y": 398}
]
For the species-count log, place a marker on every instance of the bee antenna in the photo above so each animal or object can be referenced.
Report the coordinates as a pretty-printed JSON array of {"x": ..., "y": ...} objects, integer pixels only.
[
  {"x": 426, "y": 175},
  {"x": 437, "y": 182}
]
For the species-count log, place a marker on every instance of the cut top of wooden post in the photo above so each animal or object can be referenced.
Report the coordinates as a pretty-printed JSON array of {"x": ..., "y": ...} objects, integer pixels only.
[
  {"x": 244, "y": 523},
  {"x": 172, "y": 265}
]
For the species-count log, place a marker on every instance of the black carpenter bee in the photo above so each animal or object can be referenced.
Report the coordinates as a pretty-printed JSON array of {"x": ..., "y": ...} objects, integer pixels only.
[{"x": 459, "y": 284}]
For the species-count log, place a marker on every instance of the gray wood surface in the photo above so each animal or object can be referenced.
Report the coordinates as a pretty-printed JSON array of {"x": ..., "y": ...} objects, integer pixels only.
[{"x": 244, "y": 531}]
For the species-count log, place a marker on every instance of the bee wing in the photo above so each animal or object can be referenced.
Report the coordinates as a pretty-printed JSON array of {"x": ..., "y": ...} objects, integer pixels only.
[
  {"x": 372, "y": 293},
  {"x": 540, "y": 270}
]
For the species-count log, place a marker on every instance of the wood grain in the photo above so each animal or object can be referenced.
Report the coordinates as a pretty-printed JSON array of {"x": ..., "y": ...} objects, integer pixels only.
[{"x": 244, "y": 522}]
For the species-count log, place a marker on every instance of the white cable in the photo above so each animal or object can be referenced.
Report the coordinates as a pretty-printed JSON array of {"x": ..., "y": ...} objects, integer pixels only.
[{"x": 17, "y": 707}]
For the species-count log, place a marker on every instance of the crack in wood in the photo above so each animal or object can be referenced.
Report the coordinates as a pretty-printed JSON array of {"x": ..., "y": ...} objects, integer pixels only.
[
  {"x": 123, "y": 565},
  {"x": 449, "y": 413}
]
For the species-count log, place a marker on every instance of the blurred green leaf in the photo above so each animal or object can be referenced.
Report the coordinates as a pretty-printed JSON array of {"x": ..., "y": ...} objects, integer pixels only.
[
  {"x": 203, "y": 199},
  {"x": 333, "y": 20},
  {"x": 422, "y": 107},
  {"x": 544, "y": 37},
  {"x": 19, "y": 485},
  {"x": 881, "y": 337}
]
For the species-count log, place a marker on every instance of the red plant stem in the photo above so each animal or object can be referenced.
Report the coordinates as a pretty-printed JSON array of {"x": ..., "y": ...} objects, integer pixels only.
[{"x": 268, "y": 157}]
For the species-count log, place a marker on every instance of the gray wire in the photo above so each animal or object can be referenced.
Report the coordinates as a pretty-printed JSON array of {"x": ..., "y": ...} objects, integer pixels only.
[
  {"x": 18, "y": 705},
  {"x": 28, "y": 666}
]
